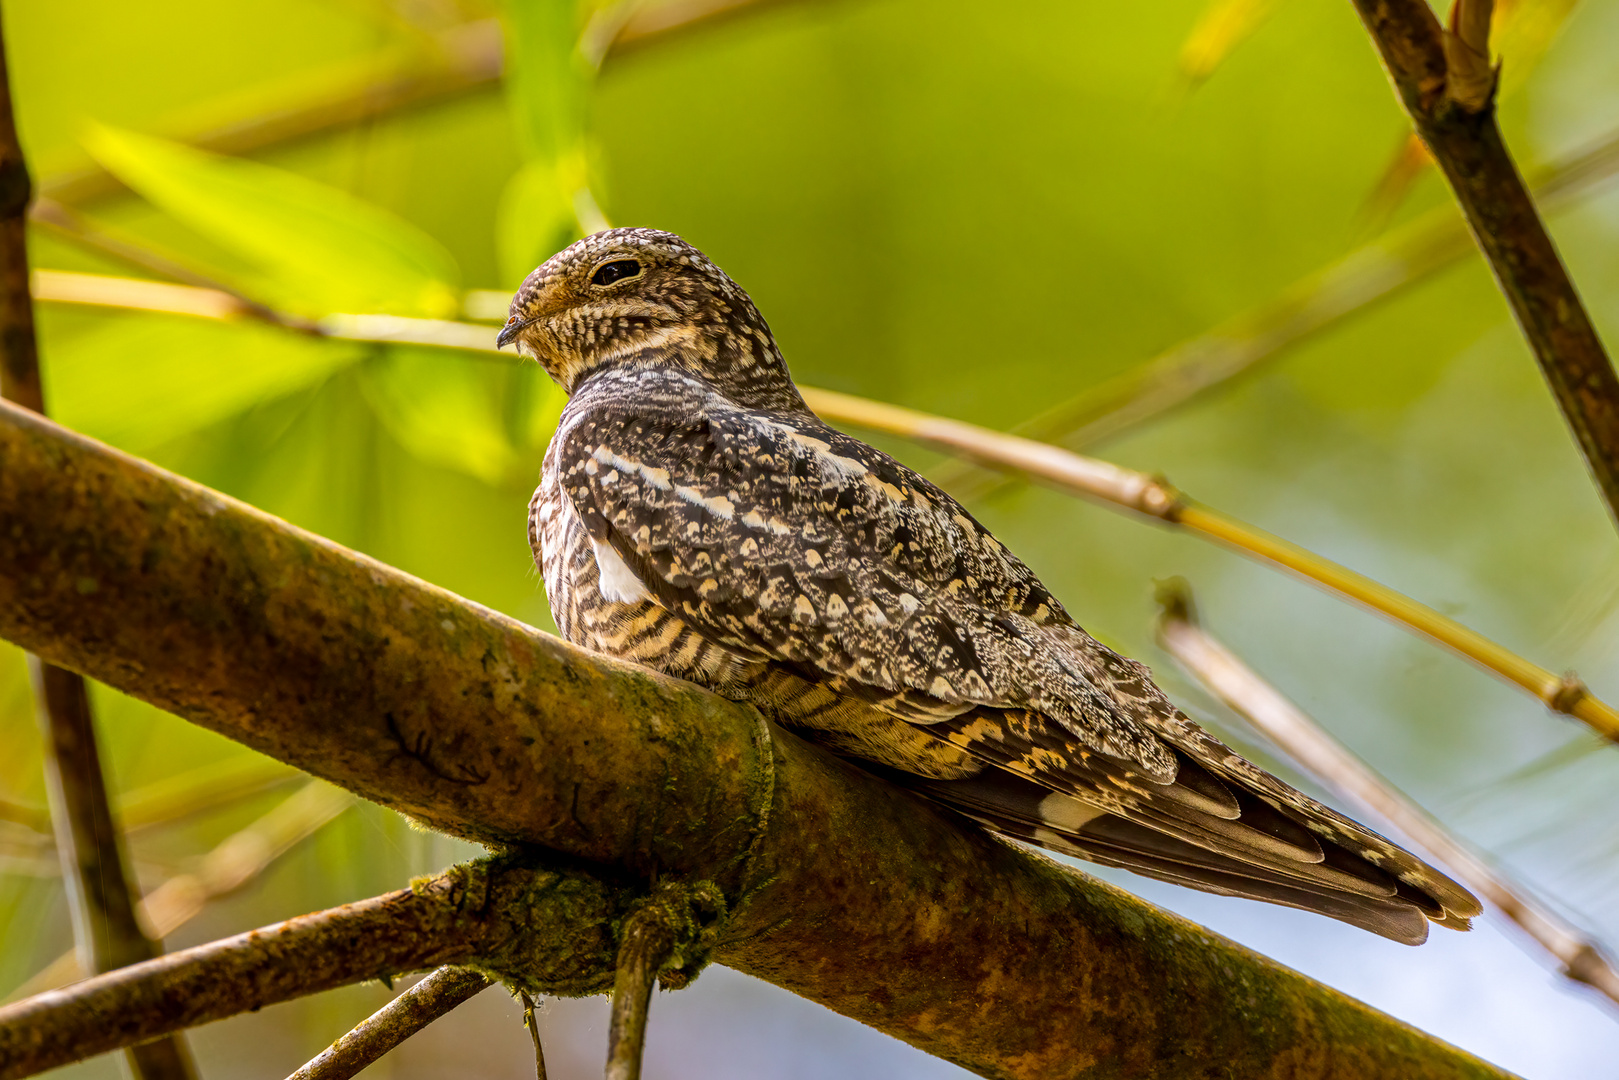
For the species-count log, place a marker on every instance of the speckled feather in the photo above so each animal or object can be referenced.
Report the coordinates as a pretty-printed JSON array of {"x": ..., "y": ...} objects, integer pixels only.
[{"x": 694, "y": 515}]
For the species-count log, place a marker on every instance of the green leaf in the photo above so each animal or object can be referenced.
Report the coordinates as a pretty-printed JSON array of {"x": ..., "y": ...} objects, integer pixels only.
[
  {"x": 535, "y": 217},
  {"x": 143, "y": 380},
  {"x": 447, "y": 410},
  {"x": 323, "y": 247},
  {"x": 549, "y": 81}
]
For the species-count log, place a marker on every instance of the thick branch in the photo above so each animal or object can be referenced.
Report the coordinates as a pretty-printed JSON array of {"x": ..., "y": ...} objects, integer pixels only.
[
  {"x": 841, "y": 888},
  {"x": 1467, "y": 144}
]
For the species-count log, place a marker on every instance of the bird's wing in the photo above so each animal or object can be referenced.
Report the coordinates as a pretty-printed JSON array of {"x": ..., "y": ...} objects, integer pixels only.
[
  {"x": 786, "y": 540},
  {"x": 782, "y": 538}
]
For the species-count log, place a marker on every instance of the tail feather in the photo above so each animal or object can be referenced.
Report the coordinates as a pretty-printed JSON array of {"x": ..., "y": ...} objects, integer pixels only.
[{"x": 1169, "y": 841}]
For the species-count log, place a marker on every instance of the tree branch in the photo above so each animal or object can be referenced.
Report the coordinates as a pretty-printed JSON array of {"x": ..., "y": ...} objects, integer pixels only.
[
  {"x": 841, "y": 888},
  {"x": 541, "y": 926},
  {"x": 433, "y": 997},
  {"x": 1458, "y": 125},
  {"x": 1306, "y": 742}
]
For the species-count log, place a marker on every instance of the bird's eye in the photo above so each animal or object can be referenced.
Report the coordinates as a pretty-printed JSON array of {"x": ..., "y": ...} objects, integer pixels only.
[{"x": 617, "y": 270}]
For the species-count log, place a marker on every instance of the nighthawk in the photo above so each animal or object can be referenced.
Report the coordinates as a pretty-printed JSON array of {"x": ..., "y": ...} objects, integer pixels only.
[{"x": 694, "y": 515}]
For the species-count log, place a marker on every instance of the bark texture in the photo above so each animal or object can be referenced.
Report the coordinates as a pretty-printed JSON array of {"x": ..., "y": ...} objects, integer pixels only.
[{"x": 839, "y": 887}]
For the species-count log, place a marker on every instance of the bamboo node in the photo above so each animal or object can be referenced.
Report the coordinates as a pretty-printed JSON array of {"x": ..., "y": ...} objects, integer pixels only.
[{"x": 1567, "y": 694}]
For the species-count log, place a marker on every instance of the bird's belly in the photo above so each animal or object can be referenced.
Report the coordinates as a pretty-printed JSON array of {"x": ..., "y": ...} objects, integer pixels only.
[{"x": 646, "y": 633}]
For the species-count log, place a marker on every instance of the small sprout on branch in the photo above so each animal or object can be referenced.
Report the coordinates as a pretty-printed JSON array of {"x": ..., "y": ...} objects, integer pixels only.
[{"x": 1471, "y": 78}]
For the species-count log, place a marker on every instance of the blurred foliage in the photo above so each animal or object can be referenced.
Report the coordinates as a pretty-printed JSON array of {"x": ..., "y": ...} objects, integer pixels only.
[{"x": 965, "y": 208}]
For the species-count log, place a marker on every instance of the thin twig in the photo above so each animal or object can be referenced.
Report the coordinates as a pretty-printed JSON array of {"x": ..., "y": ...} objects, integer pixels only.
[
  {"x": 1306, "y": 742},
  {"x": 100, "y": 895},
  {"x": 233, "y": 863},
  {"x": 395, "y": 1022},
  {"x": 1458, "y": 125},
  {"x": 1062, "y": 469},
  {"x": 531, "y": 1020},
  {"x": 387, "y": 935},
  {"x": 1241, "y": 345},
  {"x": 99, "y": 238},
  {"x": 647, "y": 940}
]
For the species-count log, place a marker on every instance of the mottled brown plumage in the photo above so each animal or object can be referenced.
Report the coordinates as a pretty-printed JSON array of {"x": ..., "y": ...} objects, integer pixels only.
[{"x": 694, "y": 515}]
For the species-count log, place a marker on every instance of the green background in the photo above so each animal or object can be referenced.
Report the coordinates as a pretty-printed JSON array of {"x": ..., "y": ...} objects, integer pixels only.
[{"x": 976, "y": 210}]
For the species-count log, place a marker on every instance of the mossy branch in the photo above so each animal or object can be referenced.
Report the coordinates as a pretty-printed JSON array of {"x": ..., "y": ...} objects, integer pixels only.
[{"x": 840, "y": 887}]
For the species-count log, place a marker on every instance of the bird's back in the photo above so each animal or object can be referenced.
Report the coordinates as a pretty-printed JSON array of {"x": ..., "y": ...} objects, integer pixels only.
[{"x": 696, "y": 517}]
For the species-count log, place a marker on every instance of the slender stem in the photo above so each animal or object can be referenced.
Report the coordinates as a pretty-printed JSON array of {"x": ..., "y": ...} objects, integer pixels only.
[
  {"x": 1306, "y": 742},
  {"x": 100, "y": 894},
  {"x": 531, "y": 1020},
  {"x": 391, "y": 934},
  {"x": 1439, "y": 94},
  {"x": 404, "y": 1016}
]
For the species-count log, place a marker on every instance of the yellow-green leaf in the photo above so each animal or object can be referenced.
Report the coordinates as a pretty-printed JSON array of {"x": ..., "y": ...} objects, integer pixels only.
[{"x": 325, "y": 248}]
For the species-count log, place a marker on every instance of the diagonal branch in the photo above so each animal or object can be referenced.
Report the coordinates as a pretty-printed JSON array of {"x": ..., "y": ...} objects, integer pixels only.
[
  {"x": 1440, "y": 94},
  {"x": 433, "y": 997},
  {"x": 1306, "y": 742},
  {"x": 501, "y": 912},
  {"x": 840, "y": 887},
  {"x": 1153, "y": 497}
]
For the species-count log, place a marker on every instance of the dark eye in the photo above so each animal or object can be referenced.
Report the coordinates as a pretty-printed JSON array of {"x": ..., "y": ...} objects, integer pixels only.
[{"x": 616, "y": 270}]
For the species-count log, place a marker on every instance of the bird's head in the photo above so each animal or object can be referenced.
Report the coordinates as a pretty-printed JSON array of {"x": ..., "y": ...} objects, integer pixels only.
[{"x": 641, "y": 297}]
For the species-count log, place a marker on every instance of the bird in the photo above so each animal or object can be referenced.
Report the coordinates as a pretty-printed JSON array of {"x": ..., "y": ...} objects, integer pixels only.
[{"x": 695, "y": 516}]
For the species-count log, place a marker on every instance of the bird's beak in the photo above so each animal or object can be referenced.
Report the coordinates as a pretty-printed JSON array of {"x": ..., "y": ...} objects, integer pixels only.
[{"x": 509, "y": 332}]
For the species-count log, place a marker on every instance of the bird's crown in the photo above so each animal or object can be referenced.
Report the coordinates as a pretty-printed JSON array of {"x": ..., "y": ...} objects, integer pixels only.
[{"x": 646, "y": 298}]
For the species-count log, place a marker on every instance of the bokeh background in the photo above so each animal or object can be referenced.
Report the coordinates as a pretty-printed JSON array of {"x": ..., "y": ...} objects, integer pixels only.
[{"x": 974, "y": 209}]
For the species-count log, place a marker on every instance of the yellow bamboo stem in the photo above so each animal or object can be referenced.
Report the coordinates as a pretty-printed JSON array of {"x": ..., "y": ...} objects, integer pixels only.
[
  {"x": 1112, "y": 484},
  {"x": 1155, "y": 498}
]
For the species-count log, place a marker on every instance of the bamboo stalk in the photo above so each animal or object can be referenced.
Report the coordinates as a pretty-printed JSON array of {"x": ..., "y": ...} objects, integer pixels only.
[
  {"x": 1289, "y": 727},
  {"x": 1155, "y": 498}
]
